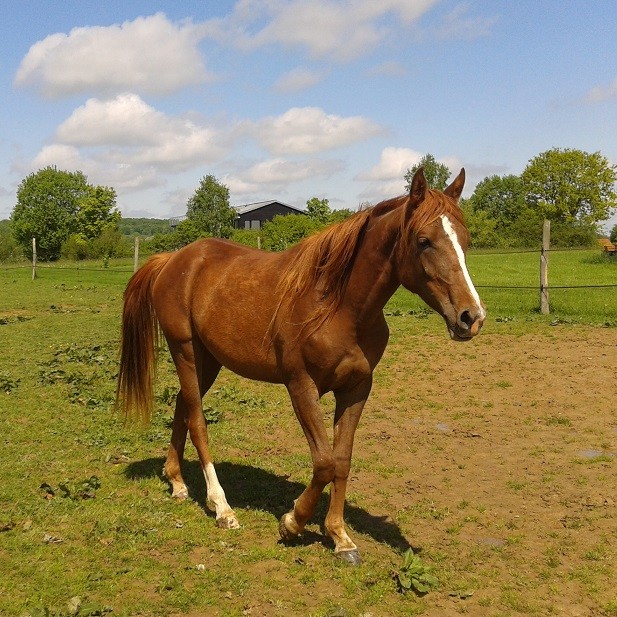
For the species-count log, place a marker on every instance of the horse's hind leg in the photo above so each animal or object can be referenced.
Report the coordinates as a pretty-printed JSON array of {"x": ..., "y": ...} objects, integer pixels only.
[
  {"x": 175, "y": 454},
  {"x": 197, "y": 370}
]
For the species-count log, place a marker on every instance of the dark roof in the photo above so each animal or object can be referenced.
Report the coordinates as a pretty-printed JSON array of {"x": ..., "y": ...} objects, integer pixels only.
[{"x": 246, "y": 208}]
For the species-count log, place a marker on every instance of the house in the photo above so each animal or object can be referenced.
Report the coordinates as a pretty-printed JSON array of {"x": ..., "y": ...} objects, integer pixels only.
[{"x": 253, "y": 216}]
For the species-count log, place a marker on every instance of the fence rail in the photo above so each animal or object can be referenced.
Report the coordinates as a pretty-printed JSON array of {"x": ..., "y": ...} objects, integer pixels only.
[{"x": 482, "y": 253}]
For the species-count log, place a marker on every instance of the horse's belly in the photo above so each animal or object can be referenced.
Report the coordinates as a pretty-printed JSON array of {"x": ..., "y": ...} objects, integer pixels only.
[{"x": 244, "y": 355}]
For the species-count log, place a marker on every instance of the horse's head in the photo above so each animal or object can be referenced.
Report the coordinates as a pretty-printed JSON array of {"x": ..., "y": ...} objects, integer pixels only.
[{"x": 431, "y": 256}]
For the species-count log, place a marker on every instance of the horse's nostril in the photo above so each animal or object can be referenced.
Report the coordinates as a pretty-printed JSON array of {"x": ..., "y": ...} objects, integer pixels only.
[{"x": 466, "y": 318}]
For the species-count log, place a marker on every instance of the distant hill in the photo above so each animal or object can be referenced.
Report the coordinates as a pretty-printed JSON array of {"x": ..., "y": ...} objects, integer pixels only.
[{"x": 144, "y": 227}]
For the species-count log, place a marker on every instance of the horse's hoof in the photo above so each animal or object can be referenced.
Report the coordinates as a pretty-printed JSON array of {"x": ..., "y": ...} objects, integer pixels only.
[
  {"x": 285, "y": 532},
  {"x": 228, "y": 521},
  {"x": 351, "y": 556},
  {"x": 181, "y": 494}
]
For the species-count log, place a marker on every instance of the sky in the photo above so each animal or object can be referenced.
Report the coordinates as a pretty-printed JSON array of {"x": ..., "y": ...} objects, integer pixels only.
[{"x": 294, "y": 99}]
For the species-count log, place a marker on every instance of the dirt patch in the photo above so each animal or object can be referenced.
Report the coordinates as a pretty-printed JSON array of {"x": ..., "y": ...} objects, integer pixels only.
[{"x": 503, "y": 453}]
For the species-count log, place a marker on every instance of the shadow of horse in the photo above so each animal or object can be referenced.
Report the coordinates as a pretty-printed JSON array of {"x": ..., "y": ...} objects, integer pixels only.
[{"x": 250, "y": 487}]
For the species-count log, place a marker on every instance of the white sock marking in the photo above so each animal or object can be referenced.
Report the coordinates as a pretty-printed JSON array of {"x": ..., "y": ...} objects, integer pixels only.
[
  {"x": 214, "y": 491},
  {"x": 451, "y": 233}
]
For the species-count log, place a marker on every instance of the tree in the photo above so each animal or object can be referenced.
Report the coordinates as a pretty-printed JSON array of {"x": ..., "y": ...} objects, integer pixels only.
[
  {"x": 500, "y": 198},
  {"x": 97, "y": 211},
  {"x": 481, "y": 226},
  {"x": 570, "y": 185},
  {"x": 318, "y": 210},
  {"x": 209, "y": 210},
  {"x": 54, "y": 204},
  {"x": 436, "y": 174},
  {"x": 336, "y": 216}
]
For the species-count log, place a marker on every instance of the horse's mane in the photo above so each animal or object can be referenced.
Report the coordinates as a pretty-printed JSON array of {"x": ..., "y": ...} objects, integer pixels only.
[{"x": 324, "y": 261}]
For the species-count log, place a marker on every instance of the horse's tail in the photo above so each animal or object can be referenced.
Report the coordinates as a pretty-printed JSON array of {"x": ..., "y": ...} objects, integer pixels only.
[{"x": 140, "y": 336}]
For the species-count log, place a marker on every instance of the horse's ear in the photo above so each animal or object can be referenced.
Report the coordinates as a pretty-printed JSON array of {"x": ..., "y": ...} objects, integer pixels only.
[
  {"x": 455, "y": 189},
  {"x": 417, "y": 190}
]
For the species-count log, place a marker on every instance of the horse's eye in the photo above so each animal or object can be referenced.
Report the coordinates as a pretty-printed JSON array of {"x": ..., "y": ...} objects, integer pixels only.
[{"x": 424, "y": 243}]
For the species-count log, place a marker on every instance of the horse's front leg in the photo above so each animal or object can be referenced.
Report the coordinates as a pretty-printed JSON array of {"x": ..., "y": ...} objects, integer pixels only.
[
  {"x": 305, "y": 400},
  {"x": 349, "y": 405}
]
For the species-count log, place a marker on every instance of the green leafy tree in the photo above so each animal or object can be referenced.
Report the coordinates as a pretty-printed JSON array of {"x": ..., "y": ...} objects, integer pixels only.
[
  {"x": 336, "y": 216},
  {"x": 436, "y": 174},
  {"x": 613, "y": 236},
  {"x": 209, "y": 210},
  {"x": 482, "y": 228},
  {"x": 46, "y": 209},
  {"x": 144, "y": 227},
  {"x": 97, "y": 211},
  {"x": 318, "y": 210},
  {"x": 500, "y": 198},
  {"x": 53, "y": 204},
  {"x": 571, "y": 185}
]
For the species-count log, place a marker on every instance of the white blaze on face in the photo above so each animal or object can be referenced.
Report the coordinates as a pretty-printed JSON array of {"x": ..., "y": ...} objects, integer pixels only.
[{"x": 451, "y": 233}]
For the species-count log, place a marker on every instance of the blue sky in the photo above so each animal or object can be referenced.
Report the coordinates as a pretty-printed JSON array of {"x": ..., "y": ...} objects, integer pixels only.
[{"x": 293, "y": 99}]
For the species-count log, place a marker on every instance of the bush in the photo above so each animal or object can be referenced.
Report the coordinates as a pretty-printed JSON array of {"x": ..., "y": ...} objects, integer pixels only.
[
  {"x": 570, "y": 235},
  {"x": 75, "y": 247},
  {"x": 9, "y": 249},
  {"x": 250, "y": 237},
  {"x": 185, "y": 233},
  {"x": 111, "y": 243},
  {"x": 284, "y": 231}
]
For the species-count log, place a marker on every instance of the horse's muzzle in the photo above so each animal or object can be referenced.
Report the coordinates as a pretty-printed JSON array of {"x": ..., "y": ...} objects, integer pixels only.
[{"x": 468, "y": 324}]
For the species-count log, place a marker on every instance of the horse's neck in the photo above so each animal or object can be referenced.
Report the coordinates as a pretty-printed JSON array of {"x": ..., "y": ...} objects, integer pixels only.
[{"x": 374, "y": 277}]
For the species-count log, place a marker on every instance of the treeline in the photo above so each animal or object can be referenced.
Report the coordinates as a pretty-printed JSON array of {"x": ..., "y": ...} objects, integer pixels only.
[{"x": 73, "y": 219}]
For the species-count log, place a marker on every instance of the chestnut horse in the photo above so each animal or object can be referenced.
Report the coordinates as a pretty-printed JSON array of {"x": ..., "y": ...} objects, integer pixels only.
[{"x": 310, "y": 317}]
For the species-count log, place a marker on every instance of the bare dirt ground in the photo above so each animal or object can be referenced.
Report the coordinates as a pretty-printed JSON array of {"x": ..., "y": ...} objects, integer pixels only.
[
  {"x": 496, "y": 461},
  {"x": 507, "y": 452}
]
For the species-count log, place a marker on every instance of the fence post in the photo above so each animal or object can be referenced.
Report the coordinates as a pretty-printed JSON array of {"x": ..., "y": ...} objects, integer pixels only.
[
  {"x": 136, "y": 255},
  {"x": 33, "y": 258},
  {"x": 546, "y": 241}
]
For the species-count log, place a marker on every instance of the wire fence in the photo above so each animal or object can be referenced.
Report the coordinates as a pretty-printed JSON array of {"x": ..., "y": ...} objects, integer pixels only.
[{"x": 129, "y": 270}]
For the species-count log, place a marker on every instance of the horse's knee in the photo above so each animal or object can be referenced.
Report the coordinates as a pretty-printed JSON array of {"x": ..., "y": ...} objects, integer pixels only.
[{"x": 324, "y": 469}]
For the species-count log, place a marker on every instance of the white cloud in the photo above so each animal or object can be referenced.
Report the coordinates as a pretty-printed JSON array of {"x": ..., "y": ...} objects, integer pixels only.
[
  {"x": 387, "y": 178},
  {"x": 150, "y": 55},
  {"x": 602, "y": 93},
  {"x": 275, "y": 175},
  {"x": 127, "y": 143},
  {"x": 339, "y": 30},
  {"x": 123, "y": 121},
  {"x": 309, "y": 130},
  {"x": 100, "y": 168},
  {"x": 297, "y": 80},
  {"x": 393, "y": 164},
  {"x": 134, "y": 132},
  {"x": 61, "y": 155}
]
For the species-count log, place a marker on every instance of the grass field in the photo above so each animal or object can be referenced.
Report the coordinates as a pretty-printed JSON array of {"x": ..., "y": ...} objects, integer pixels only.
[{"x": 87, "y": 525}]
